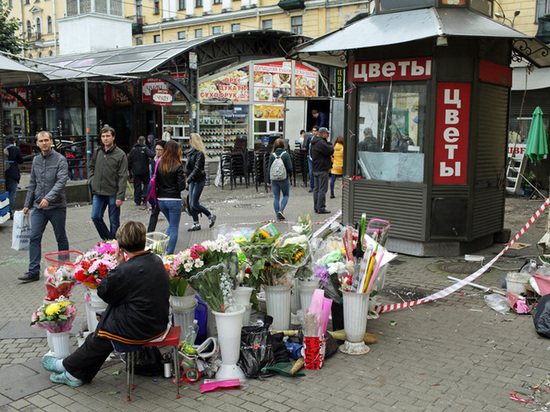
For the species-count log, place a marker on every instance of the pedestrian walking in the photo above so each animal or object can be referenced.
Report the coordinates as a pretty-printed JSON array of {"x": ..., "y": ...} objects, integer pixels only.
[
  {"x": 279, "y": 171},
  {"x": 321, "y": 153},
  {"x": 196, "y": 178},
  {"x": 155, "y": 210},
  {"x": 337, "y": 163},
  {"x": 14, "y": 158},
  {"x": 46, "y": 196},
  {"x": 138, "y": 165},
  {"x": 107, "y": 175},
  {"x": 170, "y": 183}
]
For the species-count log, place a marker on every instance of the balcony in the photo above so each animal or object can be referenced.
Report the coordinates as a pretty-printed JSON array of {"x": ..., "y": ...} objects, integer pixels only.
[
  {"x": 543, "y": 33},
  {"x": 289, "y": 5}
]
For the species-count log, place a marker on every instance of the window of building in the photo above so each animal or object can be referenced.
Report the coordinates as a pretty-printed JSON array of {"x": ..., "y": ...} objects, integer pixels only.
[
  {"x": 198, "y": 33},
  {"x": 116, "y": 7},
  {"x": 217, "y": 30},
  {"x": 38, "y": 26},
  {"x": 27, "y": 2},
  {"x": 139, "y": 11},
  {"x": 181, "y": 4},
  {"x": 542, "y": 8},
  {"x": 217, "y": 2},
  {"x": 50, "y": 25},
  {"x": 156, "y": 38},
  {"x": 296, "y": 24},
  {"x": 198, "y": 3},
  {"x": 181, "y": 35},
  {"x": 50, "y": 53},
  {"x": 391, "y": 132},
  {"x": 30, "y": 56},
  {"x": 39, "y": 54},
  {"x": 236, "y": 27},
  {"x": 156, "y": 7},
  {"x": 267, "y": 24},
  {"x": 10, "y": 3},
  {"x": 29, "y": 28},
  {"x": 139, "y": 41}
]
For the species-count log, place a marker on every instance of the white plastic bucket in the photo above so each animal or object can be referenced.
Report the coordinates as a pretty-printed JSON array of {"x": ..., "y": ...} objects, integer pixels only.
[{"x": 515, "y": 282}]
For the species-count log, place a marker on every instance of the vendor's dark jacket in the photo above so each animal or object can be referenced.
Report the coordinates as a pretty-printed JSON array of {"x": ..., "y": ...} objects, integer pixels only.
[
  {"x": 170, "y": 185},
  {"x": 138, "y": 159},
  {"x": 49, "y": 174},
  {"x": 108, "y": 172},
  {"x": 321, "y": 152},
  {"x": 138, "y": 296},
  {"x": 194, "y": 168}
]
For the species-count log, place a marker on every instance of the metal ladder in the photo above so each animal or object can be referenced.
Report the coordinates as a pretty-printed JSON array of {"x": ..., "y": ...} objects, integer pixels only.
[{"x": 514, "y": 172}]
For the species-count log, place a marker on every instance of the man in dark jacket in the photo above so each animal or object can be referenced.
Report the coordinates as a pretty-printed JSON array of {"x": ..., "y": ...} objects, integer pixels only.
[
  {"x": 138, "y": 165},
  {"x": 46, "y": 193},
  {"x": 321, "y": 152},
  {"x": 137, "y": 292},
  {"x": 14, "y": 158},
  {"x": 107, "y": 175}
]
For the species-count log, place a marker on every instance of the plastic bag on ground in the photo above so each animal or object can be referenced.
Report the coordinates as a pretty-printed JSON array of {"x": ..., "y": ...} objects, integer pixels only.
[{"x": 498, "y": 302}]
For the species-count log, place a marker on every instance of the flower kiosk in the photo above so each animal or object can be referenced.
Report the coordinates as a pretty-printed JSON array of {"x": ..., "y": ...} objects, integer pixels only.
[{"x": 428, "y": 91}]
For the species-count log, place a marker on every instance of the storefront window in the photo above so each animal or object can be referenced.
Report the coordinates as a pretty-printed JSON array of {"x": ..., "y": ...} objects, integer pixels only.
[{"x": 391, "y": 132}]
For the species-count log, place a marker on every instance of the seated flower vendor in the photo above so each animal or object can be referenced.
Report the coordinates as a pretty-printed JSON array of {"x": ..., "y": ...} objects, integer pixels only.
[{"x": 137, "y": 292}]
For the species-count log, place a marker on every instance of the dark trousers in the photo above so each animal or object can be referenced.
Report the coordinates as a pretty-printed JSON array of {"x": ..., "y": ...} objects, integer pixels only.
[
  {"x": 195, "y": 190},
  {"x": 141, "y": 184},
  {"x": 153, "y": 219},
  {"x": 85, "y": 362},
  {"x": 320, "y": 190},
  {"x": 39, "y": 220},
  {"x": 11, "y": 188}
]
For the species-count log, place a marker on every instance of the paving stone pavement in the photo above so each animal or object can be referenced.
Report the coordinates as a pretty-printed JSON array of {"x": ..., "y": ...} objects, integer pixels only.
[{"x": 455, "y": 354}]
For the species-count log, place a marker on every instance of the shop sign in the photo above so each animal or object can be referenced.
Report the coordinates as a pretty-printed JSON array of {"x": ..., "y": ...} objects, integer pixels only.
[
  {"x": 451, "y": 133},
  {"x": 268, "y": 112},
  {"x": 495, "y": 73},
  {"x": 232, "y": 86},
  {"x": 305, "y": 81},
  {"x": 339, "y": 84},
  {"x": 11, "y": 102},
  {"x": 385, "y": 70},
  {"x": 149, "y": 85},
  {"x": 162, "y": 97},
  {"x": 516, "y": 149}
]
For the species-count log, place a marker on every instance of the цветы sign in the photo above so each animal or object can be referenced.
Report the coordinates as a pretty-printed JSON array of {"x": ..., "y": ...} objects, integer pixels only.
[{"x": 385, "y": 70}]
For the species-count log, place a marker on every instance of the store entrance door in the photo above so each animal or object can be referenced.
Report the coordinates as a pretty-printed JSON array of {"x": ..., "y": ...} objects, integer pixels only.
[{"x": 153, "y": 122}]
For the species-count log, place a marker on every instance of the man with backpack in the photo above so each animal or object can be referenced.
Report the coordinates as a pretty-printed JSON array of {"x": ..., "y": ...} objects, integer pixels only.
[
  {"x": 279, "y": 171},
  {"x": 138, "y": 165},
  {"x": 321, "y": 153},
  {"x": 14, "y": 158}
]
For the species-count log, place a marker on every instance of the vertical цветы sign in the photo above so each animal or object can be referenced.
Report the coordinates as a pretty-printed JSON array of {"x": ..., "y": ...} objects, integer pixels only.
[{"x": 451, "y": 133}]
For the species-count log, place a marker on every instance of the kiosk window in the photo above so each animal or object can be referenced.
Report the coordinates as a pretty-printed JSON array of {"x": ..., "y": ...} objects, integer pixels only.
[{"x": 390, "y": 133}]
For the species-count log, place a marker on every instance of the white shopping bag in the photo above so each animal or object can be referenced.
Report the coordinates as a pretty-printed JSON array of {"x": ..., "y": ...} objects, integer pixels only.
[{"x": 21, "y": 235}]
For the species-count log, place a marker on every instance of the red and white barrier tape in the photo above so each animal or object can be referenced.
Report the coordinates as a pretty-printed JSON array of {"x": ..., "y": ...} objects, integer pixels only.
[
  {"x": 327, "y": 223},
  {"x": 453, "y": 288}
]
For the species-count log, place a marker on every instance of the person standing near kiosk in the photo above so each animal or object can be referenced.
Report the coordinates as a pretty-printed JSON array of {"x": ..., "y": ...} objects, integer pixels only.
[{"x": 321, "y": 153}]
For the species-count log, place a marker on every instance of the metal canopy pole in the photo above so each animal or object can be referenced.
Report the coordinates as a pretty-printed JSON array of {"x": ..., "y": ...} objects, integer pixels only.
[{"x": 87, "y": 121}]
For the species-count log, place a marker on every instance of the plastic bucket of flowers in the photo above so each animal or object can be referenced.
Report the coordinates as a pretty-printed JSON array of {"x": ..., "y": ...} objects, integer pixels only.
[
  {"x": 60, "y": 273},
  {"x": 157, "y": 242}
]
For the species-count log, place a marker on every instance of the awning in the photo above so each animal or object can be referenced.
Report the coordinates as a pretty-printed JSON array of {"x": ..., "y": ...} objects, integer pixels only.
[
  {"x": 525, "y": 79},
  {"x": 402, "y": 27},
  {"x": 12, "y": 72}
]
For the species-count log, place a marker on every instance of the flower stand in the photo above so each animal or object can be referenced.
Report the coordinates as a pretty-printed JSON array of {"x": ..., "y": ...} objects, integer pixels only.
[
  {"x": 356, "y": 307},
  {"x": 93, "y": 304},
  {"x": 242, "y": 297},
  {"x": 277, "y": 299},
  {"x": 183, "y": 308},
  {"x": 59, "y": 344},
  {"x": 229, "y": 325},
  {"x": 307, "y": 287}
]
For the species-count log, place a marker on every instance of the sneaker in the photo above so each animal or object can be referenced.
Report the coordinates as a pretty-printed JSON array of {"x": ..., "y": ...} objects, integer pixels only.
[
  {"x": 324, "y": 211},
  {"x": 62, "y": 378},
  {"x": 194, "y": 228},
  {"x": 212, "y": 219},
  {"x": 281, "y": 216},
  {"x": 49, "y": 363},
  {"x": 332, "y": 196},
  {"x": 29, "y": 277}
]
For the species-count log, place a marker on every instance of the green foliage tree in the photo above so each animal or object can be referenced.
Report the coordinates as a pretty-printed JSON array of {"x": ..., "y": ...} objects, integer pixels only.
[{"x": 9, "y": 40}]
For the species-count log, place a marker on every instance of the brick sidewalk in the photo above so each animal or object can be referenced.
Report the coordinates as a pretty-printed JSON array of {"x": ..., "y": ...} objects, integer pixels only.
[{"x": 454, "y": 354}]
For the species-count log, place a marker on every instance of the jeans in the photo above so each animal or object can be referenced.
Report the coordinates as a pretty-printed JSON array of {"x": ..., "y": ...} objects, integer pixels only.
[
  {"x": 195, "y": 190},
  {"x": 320, "y": 191},
  {"x": 332, "y": 181},
  {"x": 172, "y": 210},
  {"x": 11, "y": 188},
  {"x": 141, "y": 186},
  {"x": 277, "y": 187},
  {"x": 76, "y": 170},
  {"x": 310, "y": 168},
  {"x": 39, "y": 220},
  {"x": 100, "y": 203}
]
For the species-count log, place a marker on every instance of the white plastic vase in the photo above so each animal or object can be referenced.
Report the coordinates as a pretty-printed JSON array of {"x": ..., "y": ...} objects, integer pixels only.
[
  {"x": 229, "y": 325},
  {"x": 94, "y": 303},
  {"x": 184, "y": 317},
  {"x": 277, "y": 300},
  {"x": 356, "y": 306},
  {"x": 242, "y": 297},
  {"x": 307, "y": 287},
  {"x": 59, "y": 344}
]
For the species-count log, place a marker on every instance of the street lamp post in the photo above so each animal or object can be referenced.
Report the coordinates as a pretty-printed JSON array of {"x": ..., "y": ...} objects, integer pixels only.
[{"x": 502, "y": 16}]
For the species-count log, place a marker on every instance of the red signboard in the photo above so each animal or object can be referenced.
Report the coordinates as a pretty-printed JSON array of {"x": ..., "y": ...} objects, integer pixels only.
[
  {"x": 162, "y": 97},
  {"x": 495, "y": 73},
  {"x": 451, "y": 133},
  {"x": 385, "y": 70}
]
